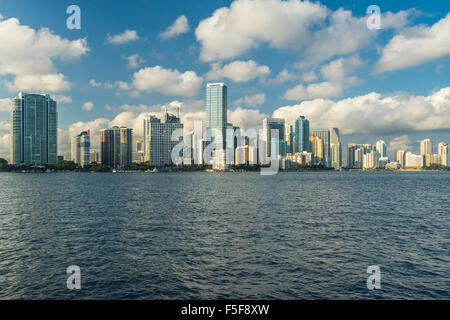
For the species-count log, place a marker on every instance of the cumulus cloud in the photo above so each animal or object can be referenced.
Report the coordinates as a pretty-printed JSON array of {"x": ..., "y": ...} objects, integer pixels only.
[
  {"x": 232, "y": 31},
  {"x": 400, "y": 143},
  {"x": 376, "y": 114},
  {"x": 30, "y": 55},
  {"x": 312, "y": 91},
  {"x": 62, "y": 99},
  {"x": 5, "y": 105},
  {"x": 88, "y": 106},
  {"x": 237, "y": 71},
  {"x": 124, "y": 37},
  {"x": 180, "y": 26},
  {"x": 167, "y": 81},
  {"x": 134, "y": 61},
  {"x": 416, "y": 45},
  {"x": 251, "y": 101}
]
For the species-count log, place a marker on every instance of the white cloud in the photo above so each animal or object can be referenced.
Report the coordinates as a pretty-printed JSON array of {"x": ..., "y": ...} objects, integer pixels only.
[
  {"x": 167, "y": 81},
  {"x": 134, "y": 61},
  {"x": 310, "y": 76},
  {"x": 88, "y": 106},
  {"x": 94, "y": 83},
  {"x": 232, "y": 31},
  {"x": 312, "y": 91},
  {"x": 5, "y": 105},
  {"x": 251, "y": 101},
  {"x": 126, "y": 36},
  {"x": 246, "y": 118},
  {"x": 62, "y": 99},
  {"x": 416, "y": 45},
  {"x": 376, "y": 114},
  {"x": 180, "y": 26},
  {"x": 237, "y": 71},
  {"x": 400, "y": 143},
  {"x": 52, "y": 82},
  {"x": 29, "y": 56}
]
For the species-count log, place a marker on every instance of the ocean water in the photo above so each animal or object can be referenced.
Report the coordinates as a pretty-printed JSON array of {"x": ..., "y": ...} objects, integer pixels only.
[{"x": 225, "y": 235}]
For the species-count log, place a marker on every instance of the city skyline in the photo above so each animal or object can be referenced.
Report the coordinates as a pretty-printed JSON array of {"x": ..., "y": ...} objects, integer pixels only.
[{"x": 266, "y": 80}]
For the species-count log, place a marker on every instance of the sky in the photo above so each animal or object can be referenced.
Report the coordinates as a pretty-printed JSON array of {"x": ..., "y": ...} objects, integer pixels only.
[{"x": 278, "y": 58}]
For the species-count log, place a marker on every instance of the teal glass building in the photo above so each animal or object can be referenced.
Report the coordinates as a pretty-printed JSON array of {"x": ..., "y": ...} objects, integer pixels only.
[
  {"x": 34, "y": 130},
  {"x": 302, "y": 135},
  {"x": 216, "y": 112}
]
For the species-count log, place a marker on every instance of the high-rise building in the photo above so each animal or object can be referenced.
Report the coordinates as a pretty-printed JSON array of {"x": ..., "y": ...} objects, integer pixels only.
[
  {"x": 426, "y": 147},
  {"x": 317, "y": 148},
  {"x": 351, "y": 149},
  {"x": 381, "y": 148},
  {"x": 400, "y": 157},
  {"x": 116, "y": 147},
  {"x": 231, "y": 142},
  {"x": 289, "y": 136},
  {"x": 443, "y": 152},
  {"x": 302, "y": 135},
  {"x": 216, "y": 113},
  {"x": 414, "y": 160},
  {"x": 34, "y": 130},
  {"x": 140, "y": 146},
  {"x": 325, "y": 135},
  {"x": 94, "y": 157},
  {"x": 81, "y": 148},
  {"x": 270, "y": 124},
  {"x": 158, "y": 144},
  {"x": 335, "y": 148},
  {"x": 370, "y": 159}
]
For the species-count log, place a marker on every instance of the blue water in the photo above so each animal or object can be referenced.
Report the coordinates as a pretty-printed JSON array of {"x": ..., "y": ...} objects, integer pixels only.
[{"x": 225, "y": 236}]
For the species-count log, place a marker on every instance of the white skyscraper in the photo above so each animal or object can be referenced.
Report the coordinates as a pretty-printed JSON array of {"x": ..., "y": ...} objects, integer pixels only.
[
  {"x": 381, "y": 148},
  {"x": 81, "y": 148},
  {"x": 335, "y": 148},
  {"x": 443, "y": 152}
]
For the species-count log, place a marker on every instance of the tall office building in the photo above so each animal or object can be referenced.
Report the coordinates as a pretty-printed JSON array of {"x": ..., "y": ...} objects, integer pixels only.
[
  {"x": 81, "y": 148},
  {"x": 270, "y": 124},
  {"x": 116, "y": 147},
  {"x": 94, "y": 156},
  {"x": 231, "y": 142},
  {"x": 426, "y": 147},
  {"x": 335, "y": 148},
  {"x": 158, "y": 144},
  {"x": 317, "y": 148},
  {"x": 324, "y": 134},
  {"x": 351, "y": 149},
  {"x": 400, "y": 157},
  {"x": 302, "y": 135},
  {"x": 216, "y": 112},
  {"x": 34, "y": 130},
  {"x": 443, "y": 152},
  {"x": 381, "y": 148},
  {"x": 289, "y": 137}
]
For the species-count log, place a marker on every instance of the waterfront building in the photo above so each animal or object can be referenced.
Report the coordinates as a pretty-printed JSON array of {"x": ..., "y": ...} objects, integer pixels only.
[
  {"x": 381, "y": 148},
  {"x": 414, "y": 160},
  {"x": 370, "y": 160},
  {"x": 318, "y": 149},
  {"x": 216, "y": 113},
  {"x": 116, "y": 147},
  {"x": 34, "y": 130},
  {"x": 289, "y": 137},
  {"x": 324, "y": 134},
  {"x": 158, "y": 144},
  {"x": 302, "y": 135},
  {"x": 335, "y": 148},
  {"x": 81, "y": 148},
  {"x": 94, "y": 157},
  {"x": 443, "y": 152},
  {"x": 278, "y": 125},
  {"x": 400, "y": 157},
  {"x": 426, "y": 147},
  {"x": 231, "y": 142}
]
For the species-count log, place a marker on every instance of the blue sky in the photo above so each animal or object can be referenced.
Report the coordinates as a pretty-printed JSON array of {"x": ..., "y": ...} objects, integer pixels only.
[{"x": 308, "y": 58}]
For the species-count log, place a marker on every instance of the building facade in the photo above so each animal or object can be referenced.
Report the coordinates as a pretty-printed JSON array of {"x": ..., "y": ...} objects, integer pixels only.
[
  {"x": 116, "y": 147},
  {"x": 302, "y": 135},
  {"x": 278, "y": 125},
  {"x": 34, "y": 130},
  {"x": 443, "y": 152},
  {"x": 216, "y": 113},
  {"x": 81, "y": 148}
]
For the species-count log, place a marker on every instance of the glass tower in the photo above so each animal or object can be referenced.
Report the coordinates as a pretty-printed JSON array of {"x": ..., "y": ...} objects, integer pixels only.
[
  {"x": 216, "y": 112},
  {"x": 270, "y": 124},
  {"x": 116, "y": 147},
  {"x": 81, "y": 146},
  {"x": 34, "y": 130},
  {"x": 302, "y": 135}
]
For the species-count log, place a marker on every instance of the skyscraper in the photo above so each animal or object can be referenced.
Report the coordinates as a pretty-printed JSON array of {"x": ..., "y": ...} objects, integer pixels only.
[
  {"x": 34, "y": 130},
  {"x": 443, "y": 152},
  {"x": 270, "y": 124},
  {"x": 426, "y": 147},
  {"x": 116, "y": 147},
  {"x": 335, "y": 148},
  {"x": 302, "y": 135},
  {"x": 400, "y": 157},
  {"x": 317, "y": 148},
  {"x": 381, "y": 148},
  {"x": 325, "y": 135},
  {"x": 81, "y": 146},
  {"x": 216, "y": 112},
  {"x": 289, "y": 136},
  {"x": 158, "y": 144}
]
